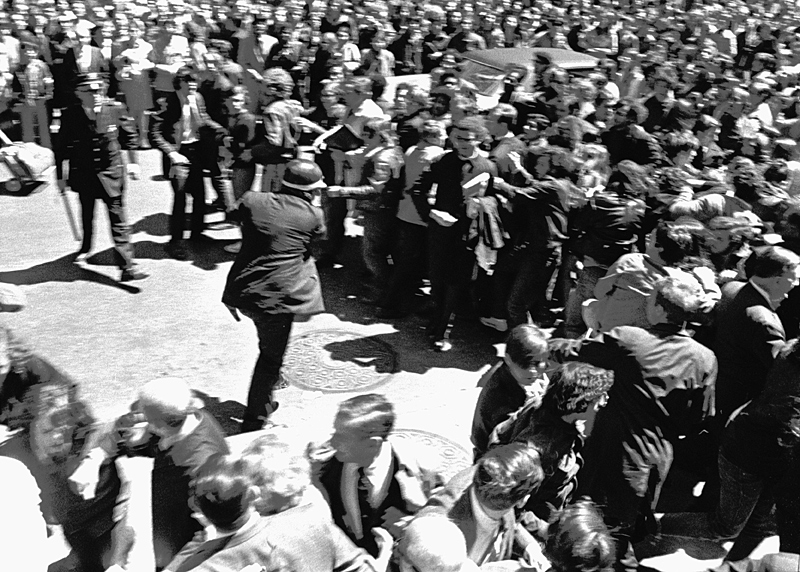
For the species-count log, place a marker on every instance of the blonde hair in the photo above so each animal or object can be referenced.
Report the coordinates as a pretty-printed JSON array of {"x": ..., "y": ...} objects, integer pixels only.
[
  {"x": 434, "y": 543},
  {"x": 282, "y": 476}
]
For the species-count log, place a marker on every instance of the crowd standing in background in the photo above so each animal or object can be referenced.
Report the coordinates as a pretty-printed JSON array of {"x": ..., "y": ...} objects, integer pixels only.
[{"x": 647, "y": 210}]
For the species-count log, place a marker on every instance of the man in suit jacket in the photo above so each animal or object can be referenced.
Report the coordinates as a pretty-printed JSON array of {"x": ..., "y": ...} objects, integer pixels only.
[
  {"x": 274, "y": 277},
  {"x": 178, "y": 127},
  {"x": 749, "y": 332},
  {"x": 369, "y": 480},
  {"x": 460, "y": 175},
  {"x": 91, "y": 134},
  {"x": 299, "y": 518},
  {"x": 481, "y": 501}
]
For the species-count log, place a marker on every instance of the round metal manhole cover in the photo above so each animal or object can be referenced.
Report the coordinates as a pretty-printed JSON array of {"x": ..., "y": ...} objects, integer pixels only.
[
  {"x": 454, "y": 458},
  {"x": 338, "y": 360}
]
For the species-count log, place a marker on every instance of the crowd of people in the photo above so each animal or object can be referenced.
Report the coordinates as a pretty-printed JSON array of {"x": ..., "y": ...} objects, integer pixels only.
[{"x": 646, "y": 209}]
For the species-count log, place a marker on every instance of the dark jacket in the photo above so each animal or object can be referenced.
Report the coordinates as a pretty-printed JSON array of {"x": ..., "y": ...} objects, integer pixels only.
[
  {"x": 408, "y": 129},
  {"x": 559, "y": 445},
  {"x": 606, "y": 226},
  {"x": 411, "y": 486},
  {"x": 633, "y": 143},
  {"x": 500, "y": 397},
  {"x": 274, "y": 272},
  {"x": 454, "y": 502},
  {"x": 749, "y": 337},
  {"x": 543, "y": 205},
  {"x": 173, "y": 471},
  {"x": 93, "y": 147},
  {"x": 751, "y": 439},
  {"x": 167, "y": 121},
  {"x": 243, "y": 130},
  {"x": 66, "y": 74},
  {"x": 449, "y": 172}
]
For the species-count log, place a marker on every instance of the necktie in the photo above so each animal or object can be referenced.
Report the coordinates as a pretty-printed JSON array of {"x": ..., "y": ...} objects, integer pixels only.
[{"x": 364, "y": 506}]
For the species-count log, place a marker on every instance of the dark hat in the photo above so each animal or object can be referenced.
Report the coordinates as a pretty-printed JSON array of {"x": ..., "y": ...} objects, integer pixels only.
[
  {"x": 91, "y": 82},
  {"x": 302, "y": 175}
]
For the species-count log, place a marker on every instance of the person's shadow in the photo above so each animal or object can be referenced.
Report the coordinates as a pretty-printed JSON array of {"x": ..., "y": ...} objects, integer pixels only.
[
  {"x": 228, "y": 414},
  {"x": 409, "y": 350},
  {"x": 205, "y": 255},
  {"x": 156, "y": 224},
  {"x": 63, "y": 269}
]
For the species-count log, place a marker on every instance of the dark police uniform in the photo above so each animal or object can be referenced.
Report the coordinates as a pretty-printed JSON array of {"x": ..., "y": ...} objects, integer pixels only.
[{"x": 96, "y": 170}]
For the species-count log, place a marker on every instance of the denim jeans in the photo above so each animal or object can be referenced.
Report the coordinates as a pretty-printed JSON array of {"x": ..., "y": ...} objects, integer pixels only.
[{"x": 376, "y": 246}]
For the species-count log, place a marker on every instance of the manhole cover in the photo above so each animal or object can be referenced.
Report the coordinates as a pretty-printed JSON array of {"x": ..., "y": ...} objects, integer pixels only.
[
  {"x": 454, "y": 458},
  {"x": 338, "y": 360}
]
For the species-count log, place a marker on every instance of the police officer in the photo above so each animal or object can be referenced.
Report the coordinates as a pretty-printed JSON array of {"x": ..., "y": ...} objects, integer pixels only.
[{"x": 90, "y": 134}]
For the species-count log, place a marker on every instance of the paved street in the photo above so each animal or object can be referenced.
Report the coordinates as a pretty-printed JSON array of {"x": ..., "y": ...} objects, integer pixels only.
[{"x": 114, "y": 337}]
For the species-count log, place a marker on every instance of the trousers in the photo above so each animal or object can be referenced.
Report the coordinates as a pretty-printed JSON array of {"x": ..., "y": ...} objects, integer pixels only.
[
  {"x": 273, "y": 337},
  {"x": 188, "y": 179},
  {"x": 120, "y": 231}
]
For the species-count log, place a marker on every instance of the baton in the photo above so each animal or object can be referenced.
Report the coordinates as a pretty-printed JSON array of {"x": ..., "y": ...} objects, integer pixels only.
[{"x": 70, "y": 217}]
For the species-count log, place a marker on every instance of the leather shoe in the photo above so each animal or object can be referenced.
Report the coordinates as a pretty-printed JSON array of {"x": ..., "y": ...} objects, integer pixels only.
[
  {"x": 442, "y": 346},
  {"x": 133, "y": 273}
]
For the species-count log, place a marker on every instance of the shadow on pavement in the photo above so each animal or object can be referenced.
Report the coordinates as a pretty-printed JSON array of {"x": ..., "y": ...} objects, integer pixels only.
[
  {"x": 205, "y": 255},
  {"x": 63, "y": 270},
  {"x": 413, "y": 351},
  {"x": 343, "y": 293},
  {"x": 228, "y": 413},
  {"x": 694, "y": 547},
  {"x": 156, "y": 224}
]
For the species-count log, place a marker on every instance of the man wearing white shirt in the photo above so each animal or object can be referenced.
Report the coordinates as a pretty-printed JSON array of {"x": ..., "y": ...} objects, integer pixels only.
[
  {"x": 749, "y": 333},
  {"x": 369, "y": 480},
  {"x": 481, "y": 501},
  {"x": 176, "y": 131}
]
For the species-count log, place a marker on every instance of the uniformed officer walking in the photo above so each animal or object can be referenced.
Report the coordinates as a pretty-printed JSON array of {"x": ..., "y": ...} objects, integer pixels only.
[{"x": 90, "y": 133}]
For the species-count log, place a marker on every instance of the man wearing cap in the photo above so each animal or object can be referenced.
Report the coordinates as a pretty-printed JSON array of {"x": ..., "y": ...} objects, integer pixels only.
[
  {"x": 274, "y": 277},
  {"x": 90, "y": 137}
]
